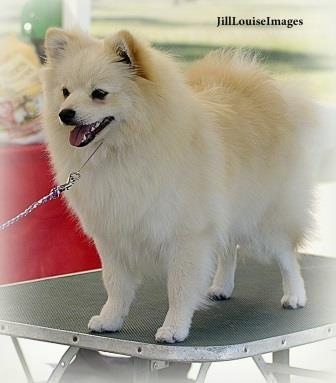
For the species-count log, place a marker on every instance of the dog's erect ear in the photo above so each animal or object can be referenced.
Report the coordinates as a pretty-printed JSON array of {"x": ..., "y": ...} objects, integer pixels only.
[
  {"x": 56, "y": 43},
  {"x": 59, "y": 41},
  {"x": 128, "y": 51}
]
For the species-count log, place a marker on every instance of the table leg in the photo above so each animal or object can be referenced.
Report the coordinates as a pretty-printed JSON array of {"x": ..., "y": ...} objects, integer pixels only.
[
  {"x": 264, "y": 369},
  {"x": 203, "y": 372},
  {"x": 281, "y": 357},
  {"x": 143, "y": 372},
  {"x": 22, "y": 358},
  {"x": 63, "y": 364}
]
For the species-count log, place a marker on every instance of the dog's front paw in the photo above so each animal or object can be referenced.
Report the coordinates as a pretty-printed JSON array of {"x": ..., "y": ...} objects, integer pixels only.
[
  {"x": 171, "y": 334},
  {"x": 293, "y": 301},
  {"x": 100, "y": 323}
]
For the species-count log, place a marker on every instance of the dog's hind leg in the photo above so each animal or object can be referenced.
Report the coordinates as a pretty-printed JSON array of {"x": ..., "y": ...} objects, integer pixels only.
[
  {"x": 292, "y": 281},
  {"x": 223, "y": 282}
]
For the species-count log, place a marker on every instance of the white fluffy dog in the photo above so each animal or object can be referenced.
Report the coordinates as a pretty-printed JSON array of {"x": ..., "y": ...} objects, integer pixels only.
[{"x": 191, "y": 165}]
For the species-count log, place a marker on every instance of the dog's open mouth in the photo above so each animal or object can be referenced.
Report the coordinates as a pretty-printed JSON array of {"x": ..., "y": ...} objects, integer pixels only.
[{"x": 82, "y": 135}]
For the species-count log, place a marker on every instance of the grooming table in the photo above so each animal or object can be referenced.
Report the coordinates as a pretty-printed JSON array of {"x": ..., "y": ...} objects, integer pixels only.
[{"x": 250, "y": 324}]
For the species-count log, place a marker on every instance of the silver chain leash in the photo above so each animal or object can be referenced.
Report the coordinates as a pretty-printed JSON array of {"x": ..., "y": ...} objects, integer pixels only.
[{"x": 55, "y": 192}]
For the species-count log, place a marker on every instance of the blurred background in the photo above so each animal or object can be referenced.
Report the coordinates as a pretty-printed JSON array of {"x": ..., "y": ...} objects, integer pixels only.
[
  {"x": 304, "y": 54},
  {"x": 187, "y": 28}
]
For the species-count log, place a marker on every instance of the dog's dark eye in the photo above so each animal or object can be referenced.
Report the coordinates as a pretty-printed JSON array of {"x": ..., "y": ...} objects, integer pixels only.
[
  {"x": 99, "y": 94},
  {"x": 66, "y": 92}
]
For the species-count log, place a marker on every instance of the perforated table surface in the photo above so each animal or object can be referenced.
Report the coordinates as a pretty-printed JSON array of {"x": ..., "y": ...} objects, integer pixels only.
[{"x": 252, "y": 322}]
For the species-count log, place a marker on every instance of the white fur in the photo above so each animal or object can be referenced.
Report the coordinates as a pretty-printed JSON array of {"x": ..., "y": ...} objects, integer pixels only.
[{"x": 188, "y": 169}]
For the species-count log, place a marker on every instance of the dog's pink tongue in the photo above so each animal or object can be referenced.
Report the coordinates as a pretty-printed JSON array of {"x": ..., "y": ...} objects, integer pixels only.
[{"x": 77, "y": 135}]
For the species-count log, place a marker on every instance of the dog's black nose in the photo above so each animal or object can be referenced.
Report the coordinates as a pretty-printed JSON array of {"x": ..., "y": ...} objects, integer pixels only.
[{"x": 67, "y": 116}]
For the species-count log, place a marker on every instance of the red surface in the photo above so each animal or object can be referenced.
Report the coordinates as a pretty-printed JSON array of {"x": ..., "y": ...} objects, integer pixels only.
[{"x": 49, "y": 241}]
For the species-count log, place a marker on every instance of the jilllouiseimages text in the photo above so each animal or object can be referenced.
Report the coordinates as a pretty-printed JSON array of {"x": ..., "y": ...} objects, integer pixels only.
[{"x": 223, "y": 21}]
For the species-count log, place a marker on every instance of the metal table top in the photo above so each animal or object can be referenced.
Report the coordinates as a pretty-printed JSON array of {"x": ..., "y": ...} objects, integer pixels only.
[{"x": 251, "y": 322}]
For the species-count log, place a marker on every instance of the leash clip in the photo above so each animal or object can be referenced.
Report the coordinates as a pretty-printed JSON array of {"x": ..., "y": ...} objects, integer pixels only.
[{"x": 73, "y": 177}]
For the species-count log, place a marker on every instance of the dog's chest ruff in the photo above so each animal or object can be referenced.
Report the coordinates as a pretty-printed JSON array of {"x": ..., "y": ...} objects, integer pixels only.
[{"x": 110, "y": 201}]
